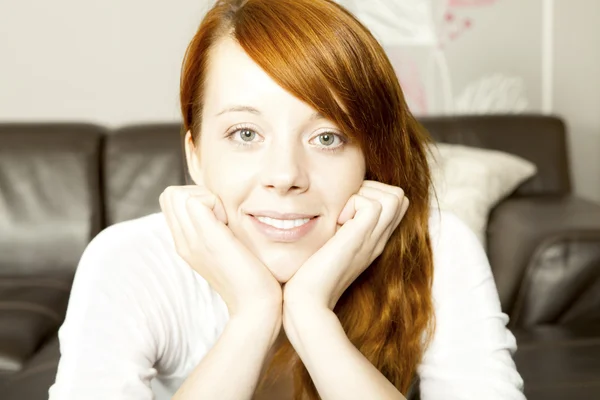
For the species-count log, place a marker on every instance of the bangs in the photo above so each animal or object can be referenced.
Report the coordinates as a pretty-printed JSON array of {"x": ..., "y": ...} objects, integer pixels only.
[{"x": 314, "y": 53}]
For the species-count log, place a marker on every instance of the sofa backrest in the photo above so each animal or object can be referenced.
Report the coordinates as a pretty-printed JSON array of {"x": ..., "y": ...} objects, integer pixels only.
[
  {"x": 61, "y": 183},
  {"x": 50, "y": 197},
  {"x": 537, "y": 138},
  {"x": 139, "y": 163}
]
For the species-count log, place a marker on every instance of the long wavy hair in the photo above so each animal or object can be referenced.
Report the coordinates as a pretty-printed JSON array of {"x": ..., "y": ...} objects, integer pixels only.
[{"x": 320, "y": 53}]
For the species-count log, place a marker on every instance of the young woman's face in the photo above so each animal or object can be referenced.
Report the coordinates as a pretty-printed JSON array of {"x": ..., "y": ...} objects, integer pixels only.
[{"x": 283, "y": 173}]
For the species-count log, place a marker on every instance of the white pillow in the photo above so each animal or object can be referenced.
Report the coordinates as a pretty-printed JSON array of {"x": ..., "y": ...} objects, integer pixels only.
[{"x": 470, "y": 181}]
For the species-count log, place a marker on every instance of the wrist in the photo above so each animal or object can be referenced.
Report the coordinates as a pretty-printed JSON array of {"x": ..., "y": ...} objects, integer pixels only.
[
  {"x": 295, "y": 296},
  {"x": 250, "y": 306},
  {"x": 257, "y": 321},
  {"x": 300, "y": 319},
  {"x": 305, "y": 308}
]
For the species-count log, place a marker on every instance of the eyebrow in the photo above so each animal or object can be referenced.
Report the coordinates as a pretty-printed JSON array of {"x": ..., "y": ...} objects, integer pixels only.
[{"x": 313, "y": 117}]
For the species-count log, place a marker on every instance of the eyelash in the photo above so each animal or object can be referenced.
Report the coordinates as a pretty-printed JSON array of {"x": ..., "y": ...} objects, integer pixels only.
[{"x": 239, "y": 128}]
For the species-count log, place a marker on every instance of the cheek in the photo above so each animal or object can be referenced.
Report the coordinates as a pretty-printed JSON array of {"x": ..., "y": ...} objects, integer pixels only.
[
  {"x": 338, "y": 187},
  {"x": 228, "y": 178}
]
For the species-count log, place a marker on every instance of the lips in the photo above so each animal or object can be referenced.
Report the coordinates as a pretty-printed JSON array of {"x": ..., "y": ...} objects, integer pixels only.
[
  {"x": 283, "y": 227},
  {"x": 283, "y": 223},
  {"x": 281, "y": 216}
]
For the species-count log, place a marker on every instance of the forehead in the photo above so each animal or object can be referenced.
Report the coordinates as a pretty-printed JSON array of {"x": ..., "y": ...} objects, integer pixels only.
[{"x": 233, "y": 78}]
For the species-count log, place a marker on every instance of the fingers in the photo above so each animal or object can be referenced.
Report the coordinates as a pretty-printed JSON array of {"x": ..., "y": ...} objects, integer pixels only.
[
  {"x": 359, "y": 217},
  {"x": 394, "y": 205},
  {"x": 190, "y": 211},
  {"x": 394, "y": 190},
  {"x": 166, "y": 205},
  {"x": 389, "y": 207},
  {"x": 354, "y": 204},
  {"x": 348, "y": 211},
  {"x": 209, "y": 199}
]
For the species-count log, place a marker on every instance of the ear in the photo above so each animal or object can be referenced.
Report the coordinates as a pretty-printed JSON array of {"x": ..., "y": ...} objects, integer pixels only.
[{"x": 192, "y": 156}]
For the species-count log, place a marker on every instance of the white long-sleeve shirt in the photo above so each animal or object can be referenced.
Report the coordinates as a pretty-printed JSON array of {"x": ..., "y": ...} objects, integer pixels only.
[{"x": 140, "y": 319}]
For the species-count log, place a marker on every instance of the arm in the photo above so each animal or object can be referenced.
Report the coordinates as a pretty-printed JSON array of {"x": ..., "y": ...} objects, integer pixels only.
[
  {"x": 197, "y": 221},
  {"x": 337, "y": 368},
  {"x": 232, "y": 367},
  {"x": 470, "y": 356},
  {"x": 115, "y": 333},
  {"x": 106, "y": 342}
]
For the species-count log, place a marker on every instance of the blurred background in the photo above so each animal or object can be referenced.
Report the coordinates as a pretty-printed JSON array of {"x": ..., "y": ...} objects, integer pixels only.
[
  {"x": 509, "y": 89},
  {"x": 116, "y": 62}
]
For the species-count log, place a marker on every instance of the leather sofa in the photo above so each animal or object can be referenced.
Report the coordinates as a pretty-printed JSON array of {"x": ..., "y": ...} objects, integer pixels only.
[{"x": 61, "y": 183}]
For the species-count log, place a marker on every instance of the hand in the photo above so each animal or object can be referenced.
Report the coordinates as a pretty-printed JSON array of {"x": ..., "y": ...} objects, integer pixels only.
[
  {"x": 198, "y": 223},
  {"x": 364, "y": 226}
]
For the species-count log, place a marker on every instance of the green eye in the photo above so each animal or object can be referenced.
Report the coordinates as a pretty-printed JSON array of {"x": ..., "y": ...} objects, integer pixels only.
[
  {"x": 326, "y": 139},
  {"x": 247, "y": 135}
]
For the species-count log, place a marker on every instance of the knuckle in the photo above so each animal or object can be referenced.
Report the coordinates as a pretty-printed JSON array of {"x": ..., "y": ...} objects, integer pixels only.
[
  {"x": 376, "y": 206},
  {"x": 399, "y": 192},
  {"x": 170, "y": 194},
  {"x": 392, "y": 201}
]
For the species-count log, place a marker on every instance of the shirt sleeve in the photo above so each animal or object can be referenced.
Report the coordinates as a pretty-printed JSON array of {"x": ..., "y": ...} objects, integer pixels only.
[
  {"x": 107, "y": 348},
  {"x": 470, "y": 356}
]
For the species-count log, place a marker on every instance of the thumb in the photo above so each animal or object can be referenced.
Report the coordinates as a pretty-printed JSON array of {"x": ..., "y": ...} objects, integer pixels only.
[
  {"x": 213, "y": 202},
  {"x": 348, "y": 211},
  {"x": 219, "y": 210}
]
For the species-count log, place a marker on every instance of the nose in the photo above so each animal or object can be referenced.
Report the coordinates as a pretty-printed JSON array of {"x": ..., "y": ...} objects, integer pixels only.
[{"x": 284, "y": 170}]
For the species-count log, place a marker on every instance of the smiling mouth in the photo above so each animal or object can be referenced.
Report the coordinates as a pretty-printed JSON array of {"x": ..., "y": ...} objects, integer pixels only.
[
  {"x": 284, "y": 223},
  {"x": 284, "y": 230}
]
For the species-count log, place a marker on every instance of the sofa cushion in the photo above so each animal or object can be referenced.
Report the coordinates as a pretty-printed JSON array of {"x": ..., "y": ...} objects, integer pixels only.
[
  {"x": 31, "y": 310},
  {"x": 33, "y": 382},
  {"x": 470, "y": 181},
  {"x": 560, "y": 362}
]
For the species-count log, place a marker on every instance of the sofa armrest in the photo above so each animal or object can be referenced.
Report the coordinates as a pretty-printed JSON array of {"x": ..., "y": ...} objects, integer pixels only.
[
  {"x": 545, "y": 255},
  {"x": 33, "y": 308}
]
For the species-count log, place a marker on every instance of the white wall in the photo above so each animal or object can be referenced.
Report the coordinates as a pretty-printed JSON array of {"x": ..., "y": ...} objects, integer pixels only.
[
  {"x": 507, "y": 38},
  {"x": 110, "y": 61},
  {"x": 118, "y": 61},
  {"x": 577, "y": 88}
]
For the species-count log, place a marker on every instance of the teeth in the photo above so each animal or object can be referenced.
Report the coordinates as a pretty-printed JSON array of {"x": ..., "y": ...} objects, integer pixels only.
[{"x": 283, "y": 223}]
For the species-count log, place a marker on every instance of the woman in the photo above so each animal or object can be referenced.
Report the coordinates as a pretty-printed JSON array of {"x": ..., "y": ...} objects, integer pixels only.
[{"x": 295, "y": 255}]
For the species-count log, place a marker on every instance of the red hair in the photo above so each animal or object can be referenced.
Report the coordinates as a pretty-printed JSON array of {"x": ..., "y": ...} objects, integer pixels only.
[{"x": 321, "y": 54}]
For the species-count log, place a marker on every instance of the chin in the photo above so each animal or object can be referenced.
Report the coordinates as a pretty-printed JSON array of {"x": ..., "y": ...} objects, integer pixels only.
[
  {"x": 282, "y": 276},
  {"x": 284, "y": 266},
  {"x": 283, "y": 272}
]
